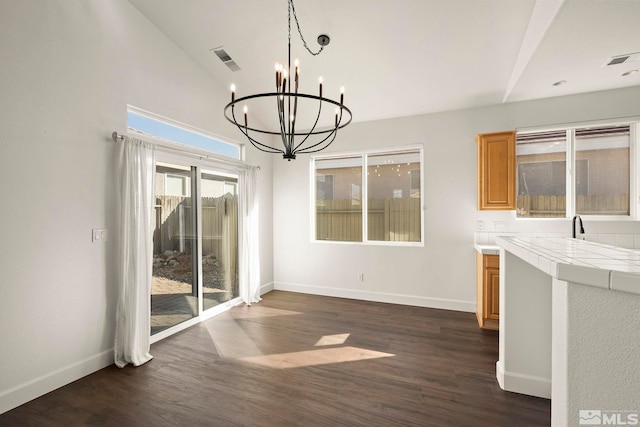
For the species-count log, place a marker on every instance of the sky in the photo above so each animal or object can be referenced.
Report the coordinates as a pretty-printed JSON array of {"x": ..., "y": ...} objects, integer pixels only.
[{"x": 163, "y": 130}]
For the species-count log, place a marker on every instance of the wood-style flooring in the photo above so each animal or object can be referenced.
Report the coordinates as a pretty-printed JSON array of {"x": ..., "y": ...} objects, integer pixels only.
[{"x": 302, "y": 360}]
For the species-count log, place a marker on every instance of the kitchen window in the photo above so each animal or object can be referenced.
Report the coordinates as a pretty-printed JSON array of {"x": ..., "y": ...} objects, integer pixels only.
[
  {"x": 372, "y": 197},
  {"x": 585, "y": 171}
]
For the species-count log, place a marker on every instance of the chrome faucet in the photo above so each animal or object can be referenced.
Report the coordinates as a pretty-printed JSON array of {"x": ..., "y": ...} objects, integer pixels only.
[{"x": 573, "y": 228}]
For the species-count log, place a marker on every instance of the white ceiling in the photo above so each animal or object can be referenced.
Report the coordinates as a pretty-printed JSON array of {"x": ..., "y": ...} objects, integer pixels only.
[{"x": 407, "y": 57}]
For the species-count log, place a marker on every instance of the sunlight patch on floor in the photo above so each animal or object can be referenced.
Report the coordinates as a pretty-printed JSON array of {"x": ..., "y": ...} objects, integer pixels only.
[
  {"x": 324, "y": 356},
  {"x": 256, "y": 311},
  {"x": 332, "y": 340}
]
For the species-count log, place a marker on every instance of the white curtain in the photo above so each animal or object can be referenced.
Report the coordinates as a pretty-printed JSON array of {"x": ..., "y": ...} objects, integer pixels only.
[
  {"x": 249, "y": 257},
  {"x": 133, "y": 318}
]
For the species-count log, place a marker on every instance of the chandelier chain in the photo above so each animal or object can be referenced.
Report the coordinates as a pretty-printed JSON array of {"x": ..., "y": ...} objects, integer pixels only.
[{"x": 304, "y": 42}]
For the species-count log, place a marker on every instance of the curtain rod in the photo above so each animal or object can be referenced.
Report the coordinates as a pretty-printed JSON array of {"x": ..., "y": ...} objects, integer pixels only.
[{"x": 117, "y": 137}]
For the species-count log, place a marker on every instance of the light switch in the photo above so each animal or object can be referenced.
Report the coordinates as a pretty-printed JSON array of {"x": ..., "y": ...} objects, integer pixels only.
[{"x": 99, "y": 235}]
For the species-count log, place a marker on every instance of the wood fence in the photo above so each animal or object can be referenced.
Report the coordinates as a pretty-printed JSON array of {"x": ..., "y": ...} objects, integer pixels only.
[
  {"x": 388, "y": 220},
  {"x": 174, "y": 225},
  {"x": 544, "y": 206}
]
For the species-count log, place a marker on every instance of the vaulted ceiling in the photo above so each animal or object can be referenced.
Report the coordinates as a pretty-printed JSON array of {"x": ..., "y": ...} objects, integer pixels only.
[{"x": 407, "y": 57}]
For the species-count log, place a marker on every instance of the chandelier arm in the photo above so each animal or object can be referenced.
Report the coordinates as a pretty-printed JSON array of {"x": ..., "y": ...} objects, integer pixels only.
[
  {"x": 313, "y": 128},
  {"x": 334, "y": 133},
  {"x": 254, "y": 142},
  {"x": 293, "y": 117},
  {"x": 308, "y": 149},
  {"x": 280, "y": 103},
  {"x": 260, "y": 146}
]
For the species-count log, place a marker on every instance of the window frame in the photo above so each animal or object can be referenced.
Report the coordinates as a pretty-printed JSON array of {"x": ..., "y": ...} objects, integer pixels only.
[
  {"x": 364, "y": 193},
  {"x": 634, "y": 164},
  {"x": 187, "y": 128}
]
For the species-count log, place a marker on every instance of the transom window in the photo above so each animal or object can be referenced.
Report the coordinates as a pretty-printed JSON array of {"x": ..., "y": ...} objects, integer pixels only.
[
  {"x": 146, "y": 124},
  {"x": 382, "y": 205},
  {"x": 586, "y": 171}
]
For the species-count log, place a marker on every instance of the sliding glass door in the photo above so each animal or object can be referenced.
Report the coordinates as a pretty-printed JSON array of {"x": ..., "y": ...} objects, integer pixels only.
[
  {"x": 174, "y": 286},
  {"x": 195, "y": 242},
  {"x": 219, "y": 201}
]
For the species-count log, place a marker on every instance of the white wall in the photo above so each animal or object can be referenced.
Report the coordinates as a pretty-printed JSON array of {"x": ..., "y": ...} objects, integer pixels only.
[
  {"x": 69, "y": 68},
  {"x": 442, "y": 273}
]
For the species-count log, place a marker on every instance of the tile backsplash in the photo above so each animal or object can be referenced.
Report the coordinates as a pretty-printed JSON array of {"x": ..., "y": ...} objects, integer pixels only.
[{"x": 629, "y": 241}]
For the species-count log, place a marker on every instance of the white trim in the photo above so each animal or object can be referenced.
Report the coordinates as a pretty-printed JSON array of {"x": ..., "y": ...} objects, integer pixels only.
[
  {"x": 411, "y": 300},
  {"x": 172, "y": 147},
  {"x": 570, "y": 194},
  {"x": 266, "y": 288},
  {"x": 364, "y": 199},
  {"x": 521, "y": 383},
  {"x": 634, "y": 196},
  {"x": 188, "y": 128},
  {"x": 159, "y": 336},
  {"x": 570, "y": 168},
  {"x": 372, "y": 151},
  {"x": 364, "y": 156},
  {"x": 23, "y": 393},
  {"x": 575, "y": 125}
]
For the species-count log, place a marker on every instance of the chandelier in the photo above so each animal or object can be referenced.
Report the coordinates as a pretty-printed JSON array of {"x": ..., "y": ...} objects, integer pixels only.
[{"x": 286, "y": 99}]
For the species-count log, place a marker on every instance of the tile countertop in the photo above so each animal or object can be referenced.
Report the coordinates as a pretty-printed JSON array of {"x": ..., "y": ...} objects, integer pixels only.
[
  {"x": 579, "y": 261},
  {"x": 487, "y": 249}
]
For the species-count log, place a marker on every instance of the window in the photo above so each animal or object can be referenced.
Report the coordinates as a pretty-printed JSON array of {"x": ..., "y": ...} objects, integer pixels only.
[
  {"x": 147, "y": 125},
  {"x": 382, "y": 205},
  {"x": 176, "y": 185},
  {"x": 584, "y": 171}
]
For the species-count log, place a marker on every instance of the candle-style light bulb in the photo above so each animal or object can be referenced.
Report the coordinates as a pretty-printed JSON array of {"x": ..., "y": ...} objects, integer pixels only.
[
  {"x": 233, "y": 92},
  {"x": 320, "y": 82},
  {"x": 245, "y": 110},
  {"x": 337, "y": 112},
  {"x": 341, "y": 95}
]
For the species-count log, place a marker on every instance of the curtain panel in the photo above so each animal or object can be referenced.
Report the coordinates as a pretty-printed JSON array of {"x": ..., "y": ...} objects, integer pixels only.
[
  {"x": 133, "y": 321},
  {"x": 250, "y": 249}
]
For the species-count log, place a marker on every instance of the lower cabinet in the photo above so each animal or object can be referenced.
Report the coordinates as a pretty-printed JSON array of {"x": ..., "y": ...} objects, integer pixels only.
[{"x": 488, "y": 290}]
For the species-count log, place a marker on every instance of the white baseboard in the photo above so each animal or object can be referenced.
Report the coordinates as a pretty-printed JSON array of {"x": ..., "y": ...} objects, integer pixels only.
[
  {"x": 417, "y": 301},
  {"x": 23, "y": 393},
  {"x": 523, "y": 384},
  {"x": 268, "y": 287}
]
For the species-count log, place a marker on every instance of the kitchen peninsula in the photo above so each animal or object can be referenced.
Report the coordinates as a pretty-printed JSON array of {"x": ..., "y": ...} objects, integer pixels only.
[{"x": 570, "y": 325}]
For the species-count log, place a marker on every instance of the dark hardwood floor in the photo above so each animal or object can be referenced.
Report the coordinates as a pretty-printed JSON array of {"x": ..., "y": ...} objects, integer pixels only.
[{"x": 303, "y": 360}]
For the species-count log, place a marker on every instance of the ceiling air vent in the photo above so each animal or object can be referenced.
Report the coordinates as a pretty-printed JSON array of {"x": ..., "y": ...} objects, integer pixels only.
[
  {"x": 225, "y": 58},
  {"x": 623, "y": 59}
]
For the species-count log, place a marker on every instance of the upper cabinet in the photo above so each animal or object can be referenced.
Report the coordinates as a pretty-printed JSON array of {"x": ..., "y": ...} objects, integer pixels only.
[{"x": 497, "y": 171}]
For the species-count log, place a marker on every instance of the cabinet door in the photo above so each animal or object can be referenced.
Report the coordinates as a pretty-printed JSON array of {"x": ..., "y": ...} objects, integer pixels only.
[
  {"x": 492, "y": 296},
  {"x": 497, "y": 171},
  {"x": 488, "y": 291}
]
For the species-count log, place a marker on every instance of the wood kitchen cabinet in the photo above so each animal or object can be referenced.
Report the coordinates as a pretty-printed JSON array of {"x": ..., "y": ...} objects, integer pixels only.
[
  {"x": 496, "y": 170},
  {"x": 488, "y": 290}
]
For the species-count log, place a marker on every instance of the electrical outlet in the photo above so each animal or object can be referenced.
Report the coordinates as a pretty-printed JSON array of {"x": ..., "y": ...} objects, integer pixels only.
[
  {"x": 501, "y": 225},
  {"x": 361, "y": 277},
  {"x": 479, "y": 225},
  {"x": 99, "y": 235}
]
